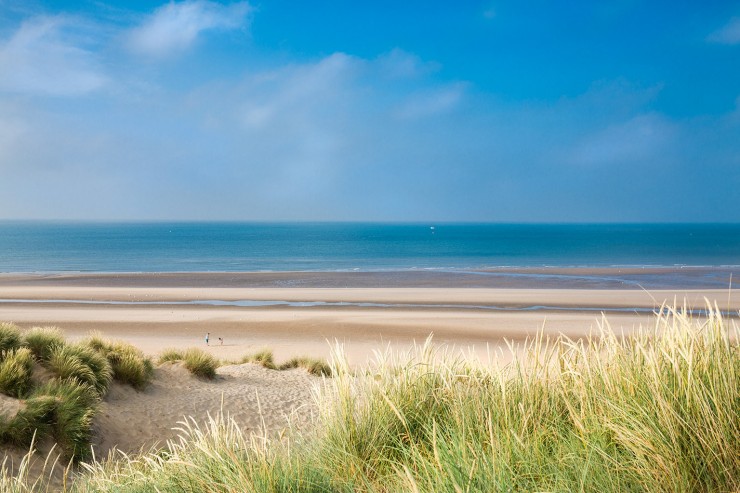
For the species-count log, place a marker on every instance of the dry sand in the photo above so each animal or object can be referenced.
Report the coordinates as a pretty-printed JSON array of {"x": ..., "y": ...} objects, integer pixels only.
[
  {"x": 414, "y": 313},
  {"x": 130, "y": 420},
  {"x": 256, "y": 398}
]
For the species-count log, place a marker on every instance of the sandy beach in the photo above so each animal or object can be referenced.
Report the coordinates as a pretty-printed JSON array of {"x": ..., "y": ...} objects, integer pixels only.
[
  {"x": 255, "y": 311},
  {"x": 251, "y": 311}
]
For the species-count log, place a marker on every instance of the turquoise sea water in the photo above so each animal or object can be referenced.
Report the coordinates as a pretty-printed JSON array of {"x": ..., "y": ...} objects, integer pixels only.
[{"x": 204, "y": 247}]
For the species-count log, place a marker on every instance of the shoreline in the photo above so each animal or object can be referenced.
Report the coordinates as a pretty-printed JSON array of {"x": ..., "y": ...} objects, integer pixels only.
[
  {"x": 632, "y": 278},
  {"x": 158, "y": 311}
]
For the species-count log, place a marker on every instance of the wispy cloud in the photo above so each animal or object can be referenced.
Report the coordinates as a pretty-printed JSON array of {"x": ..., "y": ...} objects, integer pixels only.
[
  {"x": 176, "y": 26},
  {"x": 401, "y": 64},
  {"x": 636, "y": 142},
  {"x": 297, "y": 92},
  {"x": 432, "y": 102},
  {"x": 45, "y": 57},
  {"x": 728, "y": 34}
]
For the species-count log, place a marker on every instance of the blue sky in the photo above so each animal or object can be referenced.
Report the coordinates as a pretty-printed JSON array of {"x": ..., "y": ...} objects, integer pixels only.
[{"x": 379, "y": 111}]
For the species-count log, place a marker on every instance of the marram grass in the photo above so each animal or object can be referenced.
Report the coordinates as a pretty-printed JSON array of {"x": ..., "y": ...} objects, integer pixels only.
[
  {"x": 128, "y": 363},
  {"x": 10, "y": 336},
  {"x": 314, "y": 366},
  {"x": 42, "y": 341},
  {"x": 83, "y": 364},
  {"x": 656, "y": 411},
  {"x": 170, "y": 356},
  {"x": 197, "y": 361},
  {"x": 263, "y": 357},
  {"x": 16, "y": 366},
  {"x": 61, "y": 408},
  {"x": 266, "y": 359}
]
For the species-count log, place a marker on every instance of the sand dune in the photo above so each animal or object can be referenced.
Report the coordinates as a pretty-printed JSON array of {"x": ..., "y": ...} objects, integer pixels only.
[
  {"x": 255, "y": 397},
  {"x": 259, "y": 400}
]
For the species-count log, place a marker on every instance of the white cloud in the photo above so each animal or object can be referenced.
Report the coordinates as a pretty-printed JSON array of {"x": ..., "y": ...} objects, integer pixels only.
[
  {"x": 633, "y": 142},
  {"x": 431, "y": 102},
  {"x": 297, "y": 90},
  {"x": 175, "y": 26},
  {"x": 728, "y": 34},
  {"x": 401, "y": 64},
  {"x": 44, "y": 57}
]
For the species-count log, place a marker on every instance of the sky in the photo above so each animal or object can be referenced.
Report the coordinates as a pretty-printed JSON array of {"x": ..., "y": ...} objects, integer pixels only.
[{"x": 494, "y": 111}]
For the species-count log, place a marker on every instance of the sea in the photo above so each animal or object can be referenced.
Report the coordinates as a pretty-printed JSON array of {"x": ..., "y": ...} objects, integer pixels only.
[{"x": 53, "y": 247}]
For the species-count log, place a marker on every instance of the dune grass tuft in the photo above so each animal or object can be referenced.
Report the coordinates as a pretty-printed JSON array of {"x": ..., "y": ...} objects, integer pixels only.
[
  {"x": 61, "y": 409},
  {"x": 200, "y": 363},
  {"x": 42, "y": 341},
  {"x": 197, "y": 361},
  {"x": 16, "y": 366},
  {"x": 131, "y": 368},
  {"x": 266, "y": 359},
  {"x": 76, "y": 406},
  {"x": 10, "y": 336},
  {"x": 170, "y": 355},
  {"x": 33, "y": 419},
  {"x": 313, "y": 366},
  {"x": 655, "y": 411},
  {"x": 263, "y": 357},
  {"x": 83, "y": 364},
  {"x": 129, "y": 365},
  {"x": 97, "y": 342}
]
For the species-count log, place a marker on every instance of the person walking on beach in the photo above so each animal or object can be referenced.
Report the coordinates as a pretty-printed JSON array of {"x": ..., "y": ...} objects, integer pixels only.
[{"x": 208, "y": 334}]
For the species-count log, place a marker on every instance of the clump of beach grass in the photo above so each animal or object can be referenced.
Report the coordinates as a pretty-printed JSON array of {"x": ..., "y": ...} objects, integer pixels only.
[
  {"x": 62, "y": 409},
  {"x": 266, "y": 359},
  {"x": 314, "y": 366},
  {"x": 131, "y": 368},
  {"x": 128, "y": 363},
  {"x": 83, "y": 364},
  {"x": 263, "y": 357},
  {"x": 42, "y": 341},
  {"x": 170, "y": 356},
  {"x": 197, "y": 361},
  {"x": 16, "y": 367},
  {"x": 10, "y": 336},
  {"x": 653, "y": 411}
]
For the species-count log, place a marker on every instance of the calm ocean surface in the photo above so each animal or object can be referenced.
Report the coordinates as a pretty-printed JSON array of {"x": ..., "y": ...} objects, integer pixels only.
[{"x": 203, "y": 247}]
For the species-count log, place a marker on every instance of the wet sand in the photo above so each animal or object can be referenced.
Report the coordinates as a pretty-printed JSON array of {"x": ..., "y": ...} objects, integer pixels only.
[
  {"x": 157, "y": 311},
  {"x": 637, "y": 278}
]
